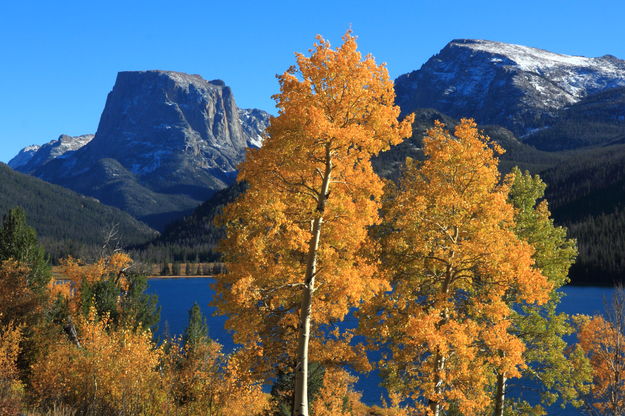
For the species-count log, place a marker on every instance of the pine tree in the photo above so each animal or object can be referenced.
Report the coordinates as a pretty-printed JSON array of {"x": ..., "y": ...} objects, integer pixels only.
[
  {"x": 196, "y": 331},
  {"x": 18, "y": 241}
]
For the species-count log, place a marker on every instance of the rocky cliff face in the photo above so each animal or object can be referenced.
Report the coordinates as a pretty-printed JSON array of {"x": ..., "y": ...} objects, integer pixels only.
[
  {"x": 254, "y": 123},
  {"x": 515, "y": 86},
  {"x": 166, "y": 142}
]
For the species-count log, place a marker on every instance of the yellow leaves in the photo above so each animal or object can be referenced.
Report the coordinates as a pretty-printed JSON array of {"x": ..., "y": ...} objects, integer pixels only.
[
  {"x": 76, "y": 270},
  {"x": 453, "y": 255},
  {"x": 336, "y": 110},
  {"x": 11, "y": 388},
  {"x": 337, "y": 397},
  {"x": 78, "y": 274},
  {"x": 10, "y": 338},
  {"x": 604, "y": 345},
  {"x": 206, "y": 381},
  {"x": 111, "y": 369}
]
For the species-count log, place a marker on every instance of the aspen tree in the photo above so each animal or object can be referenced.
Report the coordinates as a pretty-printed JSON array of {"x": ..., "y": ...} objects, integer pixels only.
[
  {"x": 296, "y": 243},
  {"x": 449, "y": 245}
]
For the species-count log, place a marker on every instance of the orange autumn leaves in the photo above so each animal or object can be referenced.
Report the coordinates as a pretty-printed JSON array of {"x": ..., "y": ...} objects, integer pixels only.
[
  {"x": 455, "y": 264},
  {"x": 336, "y": 110},
  {"x": 114, "y": 370},
  {"x": 79, "y": 274},
  {"x": 437, "y": 280},
  {"x": 603, "y": 341},
  {"x": 11, "y": 387},
  {"x": 116, "y": 367}
]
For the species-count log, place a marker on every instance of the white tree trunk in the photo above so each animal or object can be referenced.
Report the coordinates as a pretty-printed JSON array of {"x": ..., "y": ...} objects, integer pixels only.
[{"x": 300, "y": 407}]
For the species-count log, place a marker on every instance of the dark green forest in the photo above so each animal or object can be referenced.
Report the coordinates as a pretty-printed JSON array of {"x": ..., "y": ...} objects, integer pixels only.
[{"x": 68, "y": 223}]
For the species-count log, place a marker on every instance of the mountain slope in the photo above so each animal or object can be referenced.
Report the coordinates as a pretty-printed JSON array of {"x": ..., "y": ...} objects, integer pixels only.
[
  {"x": 596, "y": 120},
  {"x": 388, "y": 164},
  {"x": 587, "y": 194},
  {"x": 193, "y": 236},
  {"x": 517, "y": 87},
  {"x": 61, "y": 216},
  {"x": 165, "y": 143},
  {"x": 197, "y": 235}
]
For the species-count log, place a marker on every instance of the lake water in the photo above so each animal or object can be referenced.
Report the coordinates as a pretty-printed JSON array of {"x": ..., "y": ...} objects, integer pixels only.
[{"x": 177, "y": 296}]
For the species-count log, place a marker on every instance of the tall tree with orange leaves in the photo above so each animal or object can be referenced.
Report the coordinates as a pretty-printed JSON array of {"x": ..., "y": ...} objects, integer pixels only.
[
  {"x": 450, "y": 249},
  {"x": 297, "y": 239}
]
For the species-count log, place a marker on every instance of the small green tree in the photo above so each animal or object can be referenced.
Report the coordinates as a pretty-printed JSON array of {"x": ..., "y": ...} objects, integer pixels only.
[
  {"x": 18, "y": 241},
  {"x": 130, "y": 306},
  {"x": 282, "y": 390},
  {"x": 197, "y": 328},
  {"x": 561, "y": 372}
]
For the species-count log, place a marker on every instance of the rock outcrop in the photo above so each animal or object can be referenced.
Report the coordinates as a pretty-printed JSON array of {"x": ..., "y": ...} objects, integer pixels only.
[{"x": 165, "y": 143}]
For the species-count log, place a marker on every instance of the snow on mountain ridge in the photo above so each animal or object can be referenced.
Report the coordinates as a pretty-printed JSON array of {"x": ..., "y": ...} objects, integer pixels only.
[
  {"x": 515, "y": 86},
  {"x": 254, "y": 123},
  {"x": 525, "y": 56},
  {"x": 34, "y": 156},
  {"x": 24, "y": 156},
  {"x": 564, "y": 70}
]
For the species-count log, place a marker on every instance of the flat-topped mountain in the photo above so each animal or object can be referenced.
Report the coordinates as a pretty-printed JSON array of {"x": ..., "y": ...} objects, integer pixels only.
[
  {"x": 515, "y": 86},
  {"x": 165, "y": 143}
]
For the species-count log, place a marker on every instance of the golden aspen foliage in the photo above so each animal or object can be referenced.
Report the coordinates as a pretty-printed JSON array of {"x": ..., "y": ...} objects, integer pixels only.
[
  {"x": 337, "y": 396},
  {"x": 449, "y": 247},
  {"x": 11, "y": 388},
  {"x": 603, "y": 341},
  {"x": 111, "y": 286},
  {"x": 206, "y": 381},
  {"x": 297, "y": 242},
  {"x": 112, "y": 371},
  {"x": 80, "y": 274},
  {"x": 18, "y": 301}
]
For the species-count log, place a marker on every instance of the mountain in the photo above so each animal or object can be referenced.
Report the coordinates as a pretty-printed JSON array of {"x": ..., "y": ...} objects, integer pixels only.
[
  {"x": 596, "y": 120},
  {"x": 254, "y": 123},
  {"x": 517, "y": 153},
  {"x": 24, "y": 156},
  {"x": 67, "y": 223},
  {"x": 165, "y": 143},
  {"x": 514, "y": 86},
  {"x": 193, "y": 236},
  {"x": 31, "y": 157},
  {"x": 196, "y": 235}
]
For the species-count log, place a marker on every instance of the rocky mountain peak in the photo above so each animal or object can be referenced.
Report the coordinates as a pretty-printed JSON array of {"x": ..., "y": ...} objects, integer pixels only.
[
  {"x": 165, "y": 143},
  {"x": 516, "y": 86},
  {"x": 31, "y": 157},
  {"x": 167, "y": 115}
]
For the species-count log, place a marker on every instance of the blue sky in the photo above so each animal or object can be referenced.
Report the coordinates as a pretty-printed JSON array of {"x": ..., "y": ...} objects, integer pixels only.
[{"x": 59, "y": 59}]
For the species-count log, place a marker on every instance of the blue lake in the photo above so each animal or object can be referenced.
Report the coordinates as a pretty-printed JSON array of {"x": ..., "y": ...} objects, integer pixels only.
[{"x": 177, "y": 296}]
